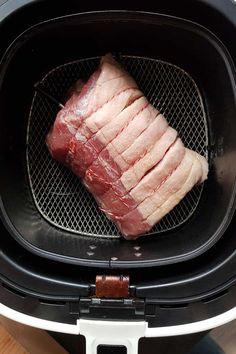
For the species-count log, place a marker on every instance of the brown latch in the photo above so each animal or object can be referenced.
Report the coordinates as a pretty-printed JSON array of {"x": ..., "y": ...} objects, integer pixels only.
[{"x": 112, "y": 286}]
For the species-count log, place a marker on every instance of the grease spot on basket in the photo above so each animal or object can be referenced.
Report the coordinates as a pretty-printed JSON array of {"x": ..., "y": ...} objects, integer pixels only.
[
  {"x": 89, "y": 253},
  {"x": 138, "y": 254},
  {"x": 114, "y": 258},
  {"x": 137, "y": 248}
]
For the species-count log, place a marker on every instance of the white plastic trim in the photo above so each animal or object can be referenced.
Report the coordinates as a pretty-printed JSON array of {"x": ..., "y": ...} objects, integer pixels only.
[
  {"x": 112, "y": 333},
  {"x": 37, "y": 322},
  {"x": 117, "y": 332}
]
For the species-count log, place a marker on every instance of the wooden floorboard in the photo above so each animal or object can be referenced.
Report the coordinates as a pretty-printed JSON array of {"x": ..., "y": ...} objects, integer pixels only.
[
  {"x": 20, "y": 339},
  {"x": 8, "y": 345},
  {"x": 225, "y": 336}
]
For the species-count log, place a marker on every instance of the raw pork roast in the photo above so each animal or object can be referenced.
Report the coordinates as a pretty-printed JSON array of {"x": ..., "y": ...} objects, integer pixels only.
[{"x": 123, "y": 149}]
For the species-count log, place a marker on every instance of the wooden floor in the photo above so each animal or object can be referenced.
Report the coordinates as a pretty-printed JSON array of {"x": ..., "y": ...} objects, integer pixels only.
[
  {"x": 27, "y": 340},
  {"x": 16, "y": 338},
  {"x": 8, "y": 345},
  {"x": 225, "y": 336}
]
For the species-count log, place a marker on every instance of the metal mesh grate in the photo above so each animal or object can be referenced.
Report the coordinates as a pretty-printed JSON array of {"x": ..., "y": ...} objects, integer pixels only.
[{"x": 58, "y": 194}]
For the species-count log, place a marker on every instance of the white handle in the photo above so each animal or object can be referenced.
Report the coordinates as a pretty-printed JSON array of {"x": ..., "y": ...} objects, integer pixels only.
[{"x": 112, "y": 333}]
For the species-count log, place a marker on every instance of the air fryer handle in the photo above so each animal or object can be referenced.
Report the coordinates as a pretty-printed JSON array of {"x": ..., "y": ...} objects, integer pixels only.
[
  {"x": 100, "y": 334},
  {"x": 129, "y": 348}
]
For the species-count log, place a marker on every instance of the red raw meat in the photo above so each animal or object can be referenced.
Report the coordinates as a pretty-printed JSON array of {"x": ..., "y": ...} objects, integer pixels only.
[{"x": 124, "y": 150}]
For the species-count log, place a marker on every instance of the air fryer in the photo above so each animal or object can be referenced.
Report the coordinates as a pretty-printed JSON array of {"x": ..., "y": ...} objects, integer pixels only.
[{"x": 57, "y": 248}]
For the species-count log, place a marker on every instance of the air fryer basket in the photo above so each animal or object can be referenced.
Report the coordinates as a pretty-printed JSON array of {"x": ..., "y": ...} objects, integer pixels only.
[
  {"x": 188, "y": 48},
  {"x": 57, "y": 192}
]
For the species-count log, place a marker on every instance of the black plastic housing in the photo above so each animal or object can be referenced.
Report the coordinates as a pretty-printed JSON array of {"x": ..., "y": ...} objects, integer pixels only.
[
  {"x": 181, "y": 42},
  {"x": 45, "y": 288}
]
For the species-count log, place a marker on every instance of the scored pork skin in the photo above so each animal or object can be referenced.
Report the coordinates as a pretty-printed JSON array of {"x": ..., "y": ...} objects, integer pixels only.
[{"x": 127, "y": 155}]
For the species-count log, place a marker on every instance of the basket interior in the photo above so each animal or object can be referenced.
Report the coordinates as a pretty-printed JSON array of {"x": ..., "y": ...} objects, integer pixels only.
[
  {"x": 59, "y": 196},
  {"x": 153, "y": 46}
]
